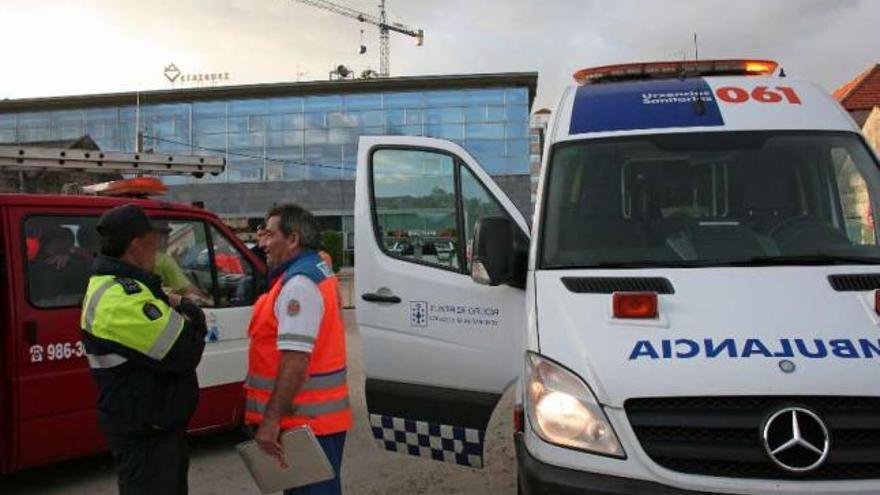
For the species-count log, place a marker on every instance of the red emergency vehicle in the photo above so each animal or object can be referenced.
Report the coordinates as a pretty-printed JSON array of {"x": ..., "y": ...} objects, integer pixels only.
[{"x": 47, "y": 396}]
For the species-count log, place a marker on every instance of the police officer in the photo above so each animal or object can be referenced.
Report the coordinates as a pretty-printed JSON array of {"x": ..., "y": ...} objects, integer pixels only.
[
  {"x": 143, "y": 347},
  {"x": 297, "y": 363}
]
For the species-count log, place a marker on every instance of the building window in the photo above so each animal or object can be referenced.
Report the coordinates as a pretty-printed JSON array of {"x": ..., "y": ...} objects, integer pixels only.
[{"x": 321, "y": 128}]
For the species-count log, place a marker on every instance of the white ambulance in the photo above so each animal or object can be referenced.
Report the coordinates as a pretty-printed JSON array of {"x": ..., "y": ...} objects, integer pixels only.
[{"x": 694, "y": 309}]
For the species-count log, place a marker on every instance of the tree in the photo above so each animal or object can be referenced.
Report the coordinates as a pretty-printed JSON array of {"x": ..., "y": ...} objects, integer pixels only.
[{"x": 331, "y": 242}]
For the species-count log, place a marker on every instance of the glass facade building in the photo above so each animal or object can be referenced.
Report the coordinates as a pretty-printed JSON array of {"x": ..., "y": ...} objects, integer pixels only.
[
  {"x": 293, "y": 138},
  {"x": 293, "y": 141}
]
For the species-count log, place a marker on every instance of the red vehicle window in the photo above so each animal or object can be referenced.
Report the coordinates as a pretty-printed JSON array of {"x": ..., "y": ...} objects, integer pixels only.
[
  {"x": 236, "y": 284},
  {"x": 59, "y": 259}
]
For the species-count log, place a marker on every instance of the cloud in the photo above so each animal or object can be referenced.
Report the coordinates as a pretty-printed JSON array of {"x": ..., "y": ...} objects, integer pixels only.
[{"x": 117, "y": 45}]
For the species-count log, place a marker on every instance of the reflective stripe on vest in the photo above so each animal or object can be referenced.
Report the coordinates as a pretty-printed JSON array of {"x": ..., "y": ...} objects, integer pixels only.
[
  {"x": 319, "y": 381},
  {"x": 135, "y": 319},
  {"x": 168, "y": 337},
  {"x": 89, "y": 314},
  {"x": 104, "y": 361},
  {"x": 305, "y": 339},
  {"x": 311, "y": 409}
]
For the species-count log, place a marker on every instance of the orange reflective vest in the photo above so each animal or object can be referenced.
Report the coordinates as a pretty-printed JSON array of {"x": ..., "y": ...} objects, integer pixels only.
[{"x": 322, "y": 402}]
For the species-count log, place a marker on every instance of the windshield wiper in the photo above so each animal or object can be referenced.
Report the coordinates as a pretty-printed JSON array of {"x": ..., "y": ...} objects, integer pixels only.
[
  {"x": 628, "y": 264},
  {"x": 804, "y": 259},
  {"x": 791, "y": 260}
]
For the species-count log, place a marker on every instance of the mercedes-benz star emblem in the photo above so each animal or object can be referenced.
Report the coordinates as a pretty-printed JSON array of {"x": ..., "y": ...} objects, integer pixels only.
[{"x": 796, "y": 440}]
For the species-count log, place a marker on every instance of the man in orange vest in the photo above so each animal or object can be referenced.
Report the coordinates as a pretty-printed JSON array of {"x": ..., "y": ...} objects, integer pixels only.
[{"x": 297, "y": 365}]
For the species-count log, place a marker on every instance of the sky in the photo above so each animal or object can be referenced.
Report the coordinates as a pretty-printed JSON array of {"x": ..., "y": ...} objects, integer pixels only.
[{"x": 63, "y": 47}]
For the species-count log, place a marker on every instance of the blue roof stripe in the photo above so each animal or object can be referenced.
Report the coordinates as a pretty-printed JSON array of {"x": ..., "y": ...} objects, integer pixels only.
[{"x": 627, "y": 106}]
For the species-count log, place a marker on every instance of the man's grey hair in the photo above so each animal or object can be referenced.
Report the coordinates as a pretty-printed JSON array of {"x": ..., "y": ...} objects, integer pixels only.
[{"x": 294, "y": 219}]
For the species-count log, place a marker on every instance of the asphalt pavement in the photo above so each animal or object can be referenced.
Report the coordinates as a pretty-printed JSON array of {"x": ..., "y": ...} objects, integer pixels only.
[{"x": 217, "y": 470}]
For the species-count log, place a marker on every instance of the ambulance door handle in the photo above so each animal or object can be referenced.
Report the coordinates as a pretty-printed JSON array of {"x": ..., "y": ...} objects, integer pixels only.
[
  {"x": 30, "y": 332},
  {"x": 381, "y": 297}
]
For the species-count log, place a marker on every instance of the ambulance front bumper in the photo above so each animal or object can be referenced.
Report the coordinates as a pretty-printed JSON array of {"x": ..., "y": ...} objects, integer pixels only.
[{"x": 539, "y": 478}]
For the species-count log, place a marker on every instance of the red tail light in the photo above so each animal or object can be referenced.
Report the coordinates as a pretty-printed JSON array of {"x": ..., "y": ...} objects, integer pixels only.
[{"x": 635, "y": 304}]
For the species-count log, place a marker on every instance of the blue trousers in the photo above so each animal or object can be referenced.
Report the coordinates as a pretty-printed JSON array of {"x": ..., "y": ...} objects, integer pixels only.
[{"x": 332, "y": 445}]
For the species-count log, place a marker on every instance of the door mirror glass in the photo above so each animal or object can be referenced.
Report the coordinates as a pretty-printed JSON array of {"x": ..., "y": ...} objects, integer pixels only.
[{"x": 499, "y": 255}]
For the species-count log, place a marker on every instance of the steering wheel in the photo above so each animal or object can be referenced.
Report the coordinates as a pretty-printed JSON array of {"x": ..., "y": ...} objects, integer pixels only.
[
  {"x": 788, "y": 222},
  {"x": 790, "y": 232}
]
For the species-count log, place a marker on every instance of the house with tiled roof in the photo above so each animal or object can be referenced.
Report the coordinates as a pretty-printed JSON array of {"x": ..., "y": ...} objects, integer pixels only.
[
  {"x": 861, "y": 95},
  {"x": 861, "y": 98}
]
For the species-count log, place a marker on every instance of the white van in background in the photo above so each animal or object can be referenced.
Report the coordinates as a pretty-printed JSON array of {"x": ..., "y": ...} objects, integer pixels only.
[{"x": 695, "y": 310}]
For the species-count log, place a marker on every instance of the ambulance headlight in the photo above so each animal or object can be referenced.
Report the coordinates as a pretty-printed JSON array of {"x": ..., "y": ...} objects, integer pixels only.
[{"x": 563, "y": 411}]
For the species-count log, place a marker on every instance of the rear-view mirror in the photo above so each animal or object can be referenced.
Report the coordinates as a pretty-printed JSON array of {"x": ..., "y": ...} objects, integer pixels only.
[{"x": 500, "y": 253}]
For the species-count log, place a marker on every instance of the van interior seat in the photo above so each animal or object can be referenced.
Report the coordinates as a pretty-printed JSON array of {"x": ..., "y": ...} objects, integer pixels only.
[
  {"x": 660, "y": 228},
  {"x": 770, "y": 192},
  {"x": 599, "y": 214},
  {"x": 606, "y": 234}
]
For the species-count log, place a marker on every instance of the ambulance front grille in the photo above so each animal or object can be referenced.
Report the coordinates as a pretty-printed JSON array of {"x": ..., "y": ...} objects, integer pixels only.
[
  {"x": 610, "y": 285},
  {"x": 722, "y": 436},
  {"x": 855, "y": 282}
]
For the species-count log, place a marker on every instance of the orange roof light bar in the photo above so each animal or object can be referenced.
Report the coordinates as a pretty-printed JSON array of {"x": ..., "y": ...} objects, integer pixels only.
[
  {"x": 138, "y": 186},
  {"x": 666, "y": 70},
  {"x": 761, "y": 67}
]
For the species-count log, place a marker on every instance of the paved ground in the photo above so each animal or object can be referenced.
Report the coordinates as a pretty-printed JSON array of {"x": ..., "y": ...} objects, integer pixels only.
[{"x": 217, "y": 470}]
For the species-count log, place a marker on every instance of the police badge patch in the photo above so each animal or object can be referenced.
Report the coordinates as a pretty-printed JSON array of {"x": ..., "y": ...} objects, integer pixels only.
[
  {"x": 130, "y": 286},
  {"x": 152, "y": 312},
  {"x": 293, "y": 307}
]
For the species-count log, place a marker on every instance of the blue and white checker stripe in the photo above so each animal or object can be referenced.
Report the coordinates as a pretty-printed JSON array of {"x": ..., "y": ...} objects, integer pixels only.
[{"x": 453, "y": 444}]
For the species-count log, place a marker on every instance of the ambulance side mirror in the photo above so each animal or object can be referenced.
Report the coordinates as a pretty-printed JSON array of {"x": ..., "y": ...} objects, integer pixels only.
[{"x": 500, "y": 253}]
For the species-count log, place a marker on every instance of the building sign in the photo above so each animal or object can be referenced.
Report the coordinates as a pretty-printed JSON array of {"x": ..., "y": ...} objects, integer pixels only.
[
  {"x": 208, "y": 77},
  {"x": 173, "y": 74}
]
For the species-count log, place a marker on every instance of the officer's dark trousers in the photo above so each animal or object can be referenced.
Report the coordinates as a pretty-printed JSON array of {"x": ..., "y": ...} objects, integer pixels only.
[{"x": 153, "y": 464}]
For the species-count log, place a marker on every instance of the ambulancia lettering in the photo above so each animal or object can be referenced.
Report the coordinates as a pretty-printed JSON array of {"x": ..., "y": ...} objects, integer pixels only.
[{"x": 755, "y": 348}]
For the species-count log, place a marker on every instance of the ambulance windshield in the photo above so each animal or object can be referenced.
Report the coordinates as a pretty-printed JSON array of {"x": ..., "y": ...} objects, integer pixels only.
[{"x": 711, "y": 199}]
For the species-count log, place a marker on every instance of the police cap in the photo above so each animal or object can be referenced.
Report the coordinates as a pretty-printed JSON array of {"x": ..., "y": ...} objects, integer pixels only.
[{"x": 128, "y": 222}]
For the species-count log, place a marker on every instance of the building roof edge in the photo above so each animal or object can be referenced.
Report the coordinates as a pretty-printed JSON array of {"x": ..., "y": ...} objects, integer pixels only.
[{"x": 411, "y": 83}]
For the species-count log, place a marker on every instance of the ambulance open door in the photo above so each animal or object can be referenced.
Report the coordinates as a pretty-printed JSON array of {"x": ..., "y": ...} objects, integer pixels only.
[{"x": 439, "y": 348}]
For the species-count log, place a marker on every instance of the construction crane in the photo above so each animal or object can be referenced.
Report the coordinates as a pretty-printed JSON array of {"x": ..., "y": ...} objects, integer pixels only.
[{"x": 384, "y": 28}]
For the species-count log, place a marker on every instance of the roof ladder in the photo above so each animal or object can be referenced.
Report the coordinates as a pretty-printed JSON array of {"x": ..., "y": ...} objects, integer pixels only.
[{"x": 31, "y": 158}]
